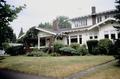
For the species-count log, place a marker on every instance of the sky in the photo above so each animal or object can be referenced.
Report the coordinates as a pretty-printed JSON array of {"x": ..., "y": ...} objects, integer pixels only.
[{"x": 38, "y": 11}]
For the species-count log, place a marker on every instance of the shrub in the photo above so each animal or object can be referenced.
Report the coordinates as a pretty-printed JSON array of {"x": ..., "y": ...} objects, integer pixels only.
[
  {"x": 15, "y": 50},
  {"x": 55, "y": 54},
  {"x": 92, "y": 44},
  {"x": 82, "y": 50},
  {"x": 5, "y": 46},
  {"x": 75, "y": 46},
  {"x": 57, "y": 46},
  {"x": 37, "y": 53},
  {"x": 68, "y": 51},
  {"x": 117, "y": 50},
  {"x": 105, "y": 45}
]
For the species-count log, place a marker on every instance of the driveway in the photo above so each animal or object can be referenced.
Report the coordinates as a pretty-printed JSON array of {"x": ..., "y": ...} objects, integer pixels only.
[{"x": 6, "y": 74}]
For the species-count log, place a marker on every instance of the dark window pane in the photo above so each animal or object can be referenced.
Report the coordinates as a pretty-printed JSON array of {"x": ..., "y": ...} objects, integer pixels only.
[
  {"x": 106, "y": 36},
  {"x": 118, "y": 35},
  {"x": 95, "y": 37},
  {"x": 74, "y": 40},
  {"x": 112, "y": 36},
  {"x": 42, "y": 41},
  {"x": 91, "y": 37},
  {"x": 80, "y": 39}
]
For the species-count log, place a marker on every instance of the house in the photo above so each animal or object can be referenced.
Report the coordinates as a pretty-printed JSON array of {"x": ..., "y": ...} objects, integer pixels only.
[{"x": 95, "y": 26}]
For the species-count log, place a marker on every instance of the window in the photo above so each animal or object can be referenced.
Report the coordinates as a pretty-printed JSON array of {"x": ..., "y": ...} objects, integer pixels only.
[
  {"x": 106, "y": 36},
  {"x": 91, "y": 37},
  {"x": 112, "y": 36},
  {"x": 99, "y": 19},
  {"x": 95, "y": 37},
  {"x": 118, "y": 35},
  {"x": 42, "y": 42},
  {"x": 67, "y": 41},
  {"x": 106, "y": 16},
  {"x": 73, "y": 39},
  {"x": 81, "y": 22},
  {"x": 80, "y": 39}
]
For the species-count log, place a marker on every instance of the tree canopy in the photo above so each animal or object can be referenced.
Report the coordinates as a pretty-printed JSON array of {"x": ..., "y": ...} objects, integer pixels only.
[
  {"x": 7, "y": 14},
  {"x": 63, "y": 22}
]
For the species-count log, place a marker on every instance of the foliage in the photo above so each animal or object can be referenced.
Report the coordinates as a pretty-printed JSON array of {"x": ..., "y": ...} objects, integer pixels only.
[
  {"x": 57, "y": 45},
  {"x": 82, "y": 50},
  {"x": 92, "y": 44},
  {"x": 63, "y": 22},
  {"x": 15, "y": 50},
  {"x": 75, "y": 46},
  {"x": 30, "y": 38},
  {"x": 45, "y": 25},
  {"x": 117, "y": 50},
  {"x": 55, "y": 54},
  {"x": 37, "y": 53},
  {"x": 7, "y": 14},
  {"x": 104, "y": 45},
  {"x": 117, "y": 16},
  {"x": 68, "y": 51},
  {"x": 5, "y": 46}
]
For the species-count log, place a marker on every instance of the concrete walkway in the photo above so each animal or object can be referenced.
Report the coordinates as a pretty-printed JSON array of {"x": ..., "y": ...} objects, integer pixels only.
[{"x": 6, "y": 74}]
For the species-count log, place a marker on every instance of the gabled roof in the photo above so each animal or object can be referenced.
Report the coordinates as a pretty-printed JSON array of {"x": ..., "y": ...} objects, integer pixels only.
[
  {"x": 102, "y": 22},
  {"x": 89, "y": 27},
  {"x": 100, "y": 13},
  {"x": 45, "y": 30}
]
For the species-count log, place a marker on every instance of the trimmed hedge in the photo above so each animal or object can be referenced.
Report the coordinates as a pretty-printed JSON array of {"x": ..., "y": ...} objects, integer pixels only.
[
  {"x": 68, "y": 51},
  {"x": 105, "y": 46},
  {"x": 37, "y": 54},
  {"x": 92, "y": 44},
  {"x": 15, "y": 50}
]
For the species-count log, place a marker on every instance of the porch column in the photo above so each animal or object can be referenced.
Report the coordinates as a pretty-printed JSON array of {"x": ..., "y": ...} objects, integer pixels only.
[
  {"x": 78, "y": 41},
  {"x": 38, "y": 42},
  {"x": 116, "y": 35},
  {"x": 69, "y": 40}
]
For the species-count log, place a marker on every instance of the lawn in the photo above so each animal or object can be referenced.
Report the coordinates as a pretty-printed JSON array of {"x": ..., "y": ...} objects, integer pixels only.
[
  {"x": 111, "y": 71},
  {"x": 52, "y": 66}
]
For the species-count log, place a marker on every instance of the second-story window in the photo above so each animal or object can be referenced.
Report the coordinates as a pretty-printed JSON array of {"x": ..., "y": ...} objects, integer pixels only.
[
  {"x": 81, "y": 22},
  {"x": 99, "y": 19}
]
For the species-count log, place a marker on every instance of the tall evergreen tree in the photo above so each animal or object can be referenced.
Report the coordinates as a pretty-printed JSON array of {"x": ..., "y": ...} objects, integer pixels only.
[
  {"x": 21, "y": 32},
  {"x": 117, "y": 16},
  {"x": 117, "y": 43}
]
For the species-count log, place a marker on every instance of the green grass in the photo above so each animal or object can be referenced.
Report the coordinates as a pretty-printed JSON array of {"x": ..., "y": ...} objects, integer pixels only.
[
  {"x": 111, "y": 71},
  {"x": 52, "y": 66}
]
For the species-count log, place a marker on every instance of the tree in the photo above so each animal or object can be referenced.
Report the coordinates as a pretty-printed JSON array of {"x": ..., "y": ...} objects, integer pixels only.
[
  {"x": 7, "y": 14},
  {"x": 31, "y": 36},
  {"x": 117, "y": 44},
  {"x": 45, "y": 25},
  {"x": 63, "y": 22},
  {"x": 21, "y": 32}
]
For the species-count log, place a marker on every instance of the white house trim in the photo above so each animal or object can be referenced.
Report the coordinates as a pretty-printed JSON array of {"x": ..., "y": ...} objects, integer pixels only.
[
  {"x": 102, "y": 22},
  {"x": 43, "y": 30}
]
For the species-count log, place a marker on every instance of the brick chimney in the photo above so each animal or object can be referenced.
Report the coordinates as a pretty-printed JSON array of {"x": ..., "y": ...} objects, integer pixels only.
[
  {"x": 93, "y": 8},
  {"x": 93, "y": 11},
  {"x": 55, "y": 25}
]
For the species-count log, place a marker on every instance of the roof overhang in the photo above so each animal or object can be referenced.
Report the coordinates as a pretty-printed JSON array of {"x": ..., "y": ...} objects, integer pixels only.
[
  {"x": 46, "y": 31},
  {"x": 102, "y": 22}
]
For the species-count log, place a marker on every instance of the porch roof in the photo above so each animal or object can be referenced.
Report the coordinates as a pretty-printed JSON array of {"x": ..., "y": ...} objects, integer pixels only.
[{"x": 46, "y": 31}]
